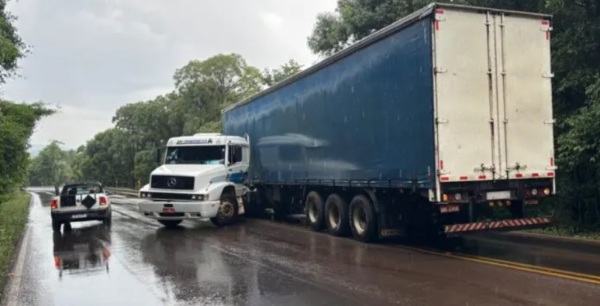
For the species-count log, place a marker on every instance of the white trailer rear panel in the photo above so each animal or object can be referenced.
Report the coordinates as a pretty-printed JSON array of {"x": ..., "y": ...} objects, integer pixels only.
[{"x": 493, "y": 100}]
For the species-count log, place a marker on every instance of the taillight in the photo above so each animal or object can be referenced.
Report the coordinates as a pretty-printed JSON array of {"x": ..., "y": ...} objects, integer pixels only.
[
  {"x": 103, "y": 201},
  {"x": 455, "y": 197},
  {"x": 56, "y": 261},
  {"x": 538, "y": 192},
  {"x": 54, "y": 204}
]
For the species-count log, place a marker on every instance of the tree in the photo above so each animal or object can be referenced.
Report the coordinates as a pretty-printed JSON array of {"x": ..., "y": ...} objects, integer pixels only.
[
  {"x": 206, "y": 87},
  {"x": 12, "y": 47},
  {"x": 109, "y": 158},
  {"x": 17, "y": 122},
  {"x": 50, "y": 167},
  {"x": 273, "y": 76}
]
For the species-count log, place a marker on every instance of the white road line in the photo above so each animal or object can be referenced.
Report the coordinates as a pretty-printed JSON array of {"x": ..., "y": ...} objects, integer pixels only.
[{"x": 15, "y": 284}]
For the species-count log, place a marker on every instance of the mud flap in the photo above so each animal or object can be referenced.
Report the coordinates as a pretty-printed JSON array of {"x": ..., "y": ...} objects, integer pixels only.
[{"x": 241, "y": 209}]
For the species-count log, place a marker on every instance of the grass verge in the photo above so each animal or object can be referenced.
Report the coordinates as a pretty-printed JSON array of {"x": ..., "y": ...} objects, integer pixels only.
[{"x": 13, "y": 216}]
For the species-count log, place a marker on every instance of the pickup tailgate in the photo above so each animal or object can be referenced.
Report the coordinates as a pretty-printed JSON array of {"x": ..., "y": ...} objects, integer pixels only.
[{"x": 493, "y": 96}]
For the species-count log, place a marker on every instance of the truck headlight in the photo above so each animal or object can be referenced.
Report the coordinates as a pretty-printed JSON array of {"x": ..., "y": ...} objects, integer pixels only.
[{"x": 199, "y": 197}]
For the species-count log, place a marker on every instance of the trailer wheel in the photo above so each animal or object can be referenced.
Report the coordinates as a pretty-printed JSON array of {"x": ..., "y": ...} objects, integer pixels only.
[
  {"x": 362, "y": 219},
  {"x": 314, "y": 211},
  {"x": 336, "y": 215}
]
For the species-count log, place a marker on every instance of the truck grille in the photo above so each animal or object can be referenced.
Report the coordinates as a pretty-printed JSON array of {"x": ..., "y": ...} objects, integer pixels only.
[
  {"x": 170, "y": 196},
  {"x": 172, "y": 182}
]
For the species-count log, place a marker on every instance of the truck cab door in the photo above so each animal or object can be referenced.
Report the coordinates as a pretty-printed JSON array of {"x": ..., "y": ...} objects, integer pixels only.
[{"x": 237, "y": 166}]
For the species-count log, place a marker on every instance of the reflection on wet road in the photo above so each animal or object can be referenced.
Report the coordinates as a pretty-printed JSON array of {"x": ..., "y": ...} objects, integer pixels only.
[
  {"x": 83, "y": 251},
  {"x": 256, "y": 263}
]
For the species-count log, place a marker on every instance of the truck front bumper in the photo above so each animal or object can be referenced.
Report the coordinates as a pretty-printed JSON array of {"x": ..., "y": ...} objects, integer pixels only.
[{"x": 179, "y": 210}]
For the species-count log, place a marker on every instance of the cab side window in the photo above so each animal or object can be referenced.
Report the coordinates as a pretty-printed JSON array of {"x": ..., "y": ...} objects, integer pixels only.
[{"x": 235, "y": 154}]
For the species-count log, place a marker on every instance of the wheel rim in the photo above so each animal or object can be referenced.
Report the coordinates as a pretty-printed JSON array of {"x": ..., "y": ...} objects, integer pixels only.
[
  {"x": 334, "y": 216},
  {"x": 226, "y": 209},
  {"x": 312, "y": 211},
  {"x": 359, "y": 220}
]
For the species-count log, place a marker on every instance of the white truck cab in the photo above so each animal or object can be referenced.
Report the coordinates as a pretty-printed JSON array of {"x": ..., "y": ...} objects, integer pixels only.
[{"x": 202, "y": 177}]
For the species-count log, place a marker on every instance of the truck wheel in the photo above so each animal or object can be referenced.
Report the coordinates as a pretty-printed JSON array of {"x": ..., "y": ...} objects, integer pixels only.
[
  {"x": 314, "y": 211},
  {"x": 362, "y": 219},
  {"x": 56, "y": 226},
  {"x": 336, "y": 215},
  {"x": 228, "y": 211},
  {"x": 170, "y": 223}
]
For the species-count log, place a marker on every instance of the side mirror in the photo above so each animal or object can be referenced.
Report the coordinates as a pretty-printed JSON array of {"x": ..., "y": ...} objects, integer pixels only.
[{"x": 158, "y": 156}]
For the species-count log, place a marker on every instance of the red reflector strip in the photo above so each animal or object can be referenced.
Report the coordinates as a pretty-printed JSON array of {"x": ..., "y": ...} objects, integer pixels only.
[
  {"x": 441, "y": 11},
  {"x": 518, "y": 175},
  {"x": 535, "y": 175},
  {"x": 445, "y": 178},
  {"x": 464, "y": 178},
  {"x": 550, "y": 174},
  {"x": 551, "y": 161},
  {"x": 545, "y": 22},
  {"x": 482, "y": 177},
  {"x": 547, "y": 35},
  {"x": 441, "y": 164}
]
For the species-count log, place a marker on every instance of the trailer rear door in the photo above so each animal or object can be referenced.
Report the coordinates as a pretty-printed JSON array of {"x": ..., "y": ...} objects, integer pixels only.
[{"x": 493, "y": 96}]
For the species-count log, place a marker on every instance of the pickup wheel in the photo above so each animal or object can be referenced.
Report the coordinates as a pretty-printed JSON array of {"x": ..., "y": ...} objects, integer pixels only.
[
  {"x": 362, "y": 219},
  {"x": 108, "y": 219},
  {"x": 336, "y": 215},
  {"x": 228, "y": 211},
  {"x": 170, "y": 223},
  {"x": 56, "y": 226},
  {"x": 315, "y": 211}
]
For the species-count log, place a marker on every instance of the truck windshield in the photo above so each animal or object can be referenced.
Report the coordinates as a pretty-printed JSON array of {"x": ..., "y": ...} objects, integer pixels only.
[{"x": 199, "y": 155}]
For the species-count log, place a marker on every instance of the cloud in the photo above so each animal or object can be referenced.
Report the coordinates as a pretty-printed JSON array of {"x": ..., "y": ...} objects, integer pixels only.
[{"x": 93, "y": 56}]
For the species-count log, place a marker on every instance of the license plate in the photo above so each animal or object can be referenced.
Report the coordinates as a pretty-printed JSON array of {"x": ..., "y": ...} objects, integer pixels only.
[
  {"x": 78, "y": 216},
  {"x": 446, "y": 209},
  {"x": 498, "y": 195},
  {"x": 168, "y": 210}
]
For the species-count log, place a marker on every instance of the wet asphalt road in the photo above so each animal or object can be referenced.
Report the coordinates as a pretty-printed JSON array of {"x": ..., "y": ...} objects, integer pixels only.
[
  {"x": 136, "y": 262},
  {"x": 538, "y": 250}
]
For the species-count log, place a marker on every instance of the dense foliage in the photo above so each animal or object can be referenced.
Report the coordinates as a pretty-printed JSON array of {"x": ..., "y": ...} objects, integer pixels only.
[
  {"x": 126, "y": 153},
  {"x": 17, "y": 122}
]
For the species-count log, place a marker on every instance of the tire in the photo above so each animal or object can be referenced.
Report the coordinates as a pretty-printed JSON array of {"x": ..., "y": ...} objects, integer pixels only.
[
  {"x": 315, "y": 211},
  {"x": 108, "y": 219},
  {"x": 336, "y": 216},
  {"x": 228, "y": 211},
  {"x": 67, "y": 227},
  {"x": 170, "y": 223},
  {"x": 56, "y": 226},
  {"x": 363, "y": 222}
]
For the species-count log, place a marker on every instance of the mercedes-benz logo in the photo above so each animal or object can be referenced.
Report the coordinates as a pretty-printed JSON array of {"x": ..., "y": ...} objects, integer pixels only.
[{"x": 171, "y": 182}]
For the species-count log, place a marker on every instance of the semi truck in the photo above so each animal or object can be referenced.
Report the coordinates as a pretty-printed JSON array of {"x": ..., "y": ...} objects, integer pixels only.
[{"x": 440, "y": 123}]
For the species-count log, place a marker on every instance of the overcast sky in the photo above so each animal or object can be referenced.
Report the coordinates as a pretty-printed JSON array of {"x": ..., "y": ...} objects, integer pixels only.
[{"x": 92, "y": 56}]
